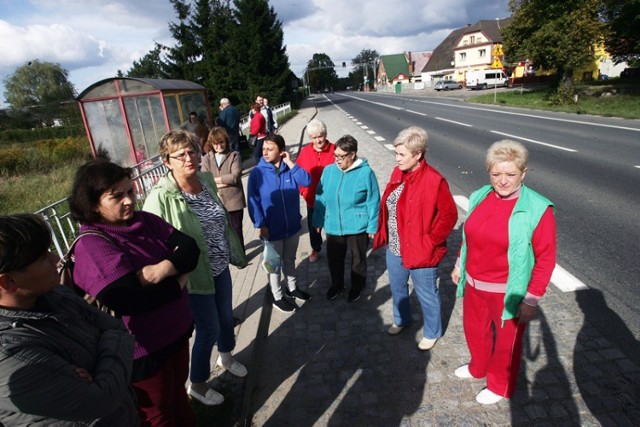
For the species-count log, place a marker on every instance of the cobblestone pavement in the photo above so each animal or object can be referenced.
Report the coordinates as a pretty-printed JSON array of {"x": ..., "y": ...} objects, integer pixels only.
[{"x": 332, "y": 364}]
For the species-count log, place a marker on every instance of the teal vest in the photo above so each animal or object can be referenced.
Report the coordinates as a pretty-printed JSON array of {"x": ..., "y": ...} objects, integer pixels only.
[{"x": 523, "y": 221}]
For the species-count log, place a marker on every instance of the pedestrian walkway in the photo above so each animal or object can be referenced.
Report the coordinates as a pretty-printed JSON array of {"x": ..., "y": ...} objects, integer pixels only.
[{"x": 332, "y": 363}]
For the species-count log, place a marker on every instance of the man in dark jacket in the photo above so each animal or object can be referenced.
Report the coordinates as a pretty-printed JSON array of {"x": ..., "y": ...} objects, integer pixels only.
[
  {"x": 62, "y": 362},
  {"x": 229, "y": 119}
]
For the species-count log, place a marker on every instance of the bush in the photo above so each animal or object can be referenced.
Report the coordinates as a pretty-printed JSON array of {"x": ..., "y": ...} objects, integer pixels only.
[
  {"x": 14, "y": 160},
  {"x": 31, "y": 135},
  {"x": 42, "y": 156}
]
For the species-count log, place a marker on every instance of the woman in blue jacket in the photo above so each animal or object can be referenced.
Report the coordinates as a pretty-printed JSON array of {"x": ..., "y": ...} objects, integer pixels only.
[
  {"x": 347, "y": 204},
  {"x": 274, "y": 208}
]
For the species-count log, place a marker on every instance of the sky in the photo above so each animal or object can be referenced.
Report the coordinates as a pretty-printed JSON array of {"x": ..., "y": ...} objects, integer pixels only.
[{"x": 93, "y": 39}]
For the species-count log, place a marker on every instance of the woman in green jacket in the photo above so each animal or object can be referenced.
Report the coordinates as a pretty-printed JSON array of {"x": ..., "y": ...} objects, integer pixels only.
[{"x": 189, "y": 201}]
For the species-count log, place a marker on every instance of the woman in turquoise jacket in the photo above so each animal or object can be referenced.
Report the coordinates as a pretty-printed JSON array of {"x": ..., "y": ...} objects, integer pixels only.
[
  {"x": 347, "y": 204},
  {"x": 188, "y": 200}
]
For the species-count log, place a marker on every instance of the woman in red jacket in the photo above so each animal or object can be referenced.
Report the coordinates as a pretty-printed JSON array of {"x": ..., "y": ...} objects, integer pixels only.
[
  {"x": 313, "y": 158},
  {"x": 257, "y": 131},
  {"x": 417, "y": 213}
]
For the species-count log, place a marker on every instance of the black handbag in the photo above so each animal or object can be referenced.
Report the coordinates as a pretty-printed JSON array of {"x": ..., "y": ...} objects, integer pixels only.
[{"x": 253, "y": 139}]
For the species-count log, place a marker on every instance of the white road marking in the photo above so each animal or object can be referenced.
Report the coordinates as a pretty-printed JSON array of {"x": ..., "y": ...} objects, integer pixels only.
[
  {"x": 417, "y": 112},
  {"x": 462, "y": 201},
  {"x": 364, "y": 127},
  {"x": 370, "y": 132},
  {"x": 379, "y": 138},
  {"x": 566, "y": 281},
  {"x": 454, "y": 122},
  {"x": 533, "y": 141},
  {"x": 389, "y": 147},
  {"x": 561, "y": 278}
]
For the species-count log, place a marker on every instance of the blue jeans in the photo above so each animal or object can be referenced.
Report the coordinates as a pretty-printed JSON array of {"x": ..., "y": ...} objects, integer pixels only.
[
  {"x": 424, "y": 283},
  {"x": 213, "y": 318}
]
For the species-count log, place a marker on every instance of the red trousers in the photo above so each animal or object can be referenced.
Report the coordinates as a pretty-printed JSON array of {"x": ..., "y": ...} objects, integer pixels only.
[
  {"x": 496, "y": 357},
  {"x": 162, "y": 398}
]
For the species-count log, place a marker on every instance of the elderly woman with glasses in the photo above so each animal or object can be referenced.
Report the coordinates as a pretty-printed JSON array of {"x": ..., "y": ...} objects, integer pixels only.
[
  {"x": 188, "y": 199},
  {"x": 347, "y": 200}
]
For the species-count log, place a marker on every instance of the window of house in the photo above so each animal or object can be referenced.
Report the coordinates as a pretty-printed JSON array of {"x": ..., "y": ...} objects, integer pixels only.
[
  {"x": 472, "y": 39},
  {"x": 463, "y": 56},
  {"x": 482, "y": 53}
]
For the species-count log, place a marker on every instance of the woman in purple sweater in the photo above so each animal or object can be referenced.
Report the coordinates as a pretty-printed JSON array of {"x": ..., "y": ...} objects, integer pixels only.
[{"x": 139, "y": 273}]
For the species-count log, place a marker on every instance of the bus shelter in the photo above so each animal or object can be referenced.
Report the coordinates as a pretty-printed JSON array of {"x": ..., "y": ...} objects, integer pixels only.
[{"x": 126, "y": 117}]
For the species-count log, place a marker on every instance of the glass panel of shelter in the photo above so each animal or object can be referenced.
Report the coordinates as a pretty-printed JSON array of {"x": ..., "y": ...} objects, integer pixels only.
[{"x": 108, "y": 131}]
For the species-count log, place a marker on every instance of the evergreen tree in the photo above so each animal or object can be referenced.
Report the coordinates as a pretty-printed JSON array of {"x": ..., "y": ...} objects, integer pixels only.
[
  {"x": 149, "y": 66},
  {"x": 181, "y": 59},
  {"x": 259, "y": 64},
  {"x": 216, "y": 25}
]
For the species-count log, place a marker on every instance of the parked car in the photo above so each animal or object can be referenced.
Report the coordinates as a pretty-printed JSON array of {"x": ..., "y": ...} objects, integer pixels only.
[{"x": 446, "y": 85}]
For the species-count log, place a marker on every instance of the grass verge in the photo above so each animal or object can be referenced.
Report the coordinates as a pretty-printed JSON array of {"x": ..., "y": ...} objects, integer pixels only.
[
  {"x": 34, "y": 191},
  {"x": 603, "y": 101}
]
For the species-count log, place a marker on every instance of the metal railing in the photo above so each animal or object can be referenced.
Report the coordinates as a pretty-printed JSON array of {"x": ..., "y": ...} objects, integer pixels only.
[
  {"x": 279, "y": 111},
  {"x": 64, "y": 229}
]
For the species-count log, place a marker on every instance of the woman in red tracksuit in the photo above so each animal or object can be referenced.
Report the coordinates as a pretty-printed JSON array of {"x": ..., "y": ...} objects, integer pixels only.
[{"x": 507, "y": 256}]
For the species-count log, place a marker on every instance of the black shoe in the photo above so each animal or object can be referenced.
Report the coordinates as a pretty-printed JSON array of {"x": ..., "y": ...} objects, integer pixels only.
[
  {"x": 284, "y": 306},
  {"x": 332, "y": 293},
  {"x": 297, "y": 293},
  {"x": 354, "y": 295}
]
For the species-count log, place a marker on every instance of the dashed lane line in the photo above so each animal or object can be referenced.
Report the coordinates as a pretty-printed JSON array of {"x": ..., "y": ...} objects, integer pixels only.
[
  {"x": 533, "y": 141},
  {"x": 454, "y": 122}
]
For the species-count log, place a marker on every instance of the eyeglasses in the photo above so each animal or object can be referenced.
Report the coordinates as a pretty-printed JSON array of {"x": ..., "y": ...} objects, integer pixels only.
[
  {"x": 341, "y": 156},
  {"x": 183, "y": 157}
]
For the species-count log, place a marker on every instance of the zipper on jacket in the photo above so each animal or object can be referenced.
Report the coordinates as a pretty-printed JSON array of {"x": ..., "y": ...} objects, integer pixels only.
[{"x": 339, "y": 203}]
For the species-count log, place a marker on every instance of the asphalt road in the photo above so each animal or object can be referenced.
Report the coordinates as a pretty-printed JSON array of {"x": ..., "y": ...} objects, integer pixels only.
[{"x": 589, "y": 166}]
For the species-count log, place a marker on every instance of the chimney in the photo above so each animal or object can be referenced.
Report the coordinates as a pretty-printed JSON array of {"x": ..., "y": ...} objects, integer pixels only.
[{"x": 411, "y": 64}]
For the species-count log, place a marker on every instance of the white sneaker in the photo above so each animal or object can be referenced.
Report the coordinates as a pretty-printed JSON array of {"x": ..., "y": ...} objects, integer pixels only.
[
  {"x": 236, "y": 368},
  {"x": 463, "y": 372},
  {"x": 487, "y": 397},
  {"x": 394, "y": 330},
  {"x": 427, "y": 343},
  {"x": 211, "y": 397}
]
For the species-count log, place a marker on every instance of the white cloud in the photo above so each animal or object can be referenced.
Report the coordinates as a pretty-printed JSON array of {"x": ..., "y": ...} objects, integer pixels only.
[{"x": 95, "y": 38}]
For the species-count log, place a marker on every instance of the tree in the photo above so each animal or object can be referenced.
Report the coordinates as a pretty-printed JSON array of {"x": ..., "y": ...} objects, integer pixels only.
[
  {"x": 622, "y": 38},
  {"x": 215, "y": 29},
  {"x": 553, "y": 34},
  {"x": 259, "y": 64},
  {"x": 149, "y": 66},
  {"x": 365, "y": 63},
  {"x": 321, "y": 73},
  {"x": 41, "y": 87},
  {"x": 180, "y": 60}
]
